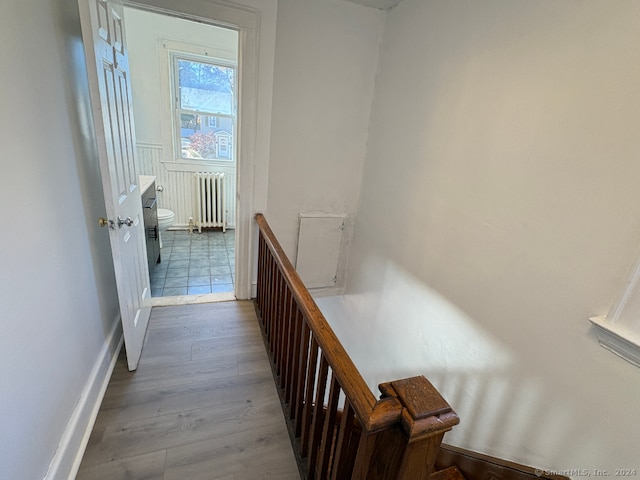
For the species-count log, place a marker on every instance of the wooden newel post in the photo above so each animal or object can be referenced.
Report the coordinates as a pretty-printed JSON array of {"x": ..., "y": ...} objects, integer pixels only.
[{"x": 408, "y": 450}]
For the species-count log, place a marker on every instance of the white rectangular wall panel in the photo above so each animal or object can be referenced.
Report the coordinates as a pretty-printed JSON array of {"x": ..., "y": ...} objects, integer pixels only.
[{"x": 319, "y": 241}]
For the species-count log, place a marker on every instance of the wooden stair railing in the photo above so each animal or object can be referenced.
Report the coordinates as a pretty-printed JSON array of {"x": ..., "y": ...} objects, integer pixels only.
[{"x": 338, "y": 428}]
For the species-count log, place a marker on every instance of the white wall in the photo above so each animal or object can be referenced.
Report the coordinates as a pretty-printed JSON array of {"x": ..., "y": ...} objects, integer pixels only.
[
  {"x": 57, "y": 290},
  {"x": 326, "y": 58},
  {"x": 499, "y": 210}
]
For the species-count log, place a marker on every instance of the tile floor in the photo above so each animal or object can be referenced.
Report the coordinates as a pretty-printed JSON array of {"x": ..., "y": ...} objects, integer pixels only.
[{"x": 194, "y": 263}]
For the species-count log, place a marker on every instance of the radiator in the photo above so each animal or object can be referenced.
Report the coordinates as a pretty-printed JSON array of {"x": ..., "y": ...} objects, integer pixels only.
[{"x": 210, "y": 204}]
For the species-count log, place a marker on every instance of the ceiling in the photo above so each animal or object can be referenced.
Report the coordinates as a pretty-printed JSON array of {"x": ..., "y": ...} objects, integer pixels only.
[{"x": 381, "y": 4}]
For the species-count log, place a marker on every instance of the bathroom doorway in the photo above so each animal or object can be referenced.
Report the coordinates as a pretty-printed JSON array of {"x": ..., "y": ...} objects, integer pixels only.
[{"x": 185, "y": 90}]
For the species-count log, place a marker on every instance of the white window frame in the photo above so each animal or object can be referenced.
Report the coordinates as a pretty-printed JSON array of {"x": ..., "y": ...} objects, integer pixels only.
[
  {"x": 172, "y": 144},
  {"x": 619, "y": 330}
]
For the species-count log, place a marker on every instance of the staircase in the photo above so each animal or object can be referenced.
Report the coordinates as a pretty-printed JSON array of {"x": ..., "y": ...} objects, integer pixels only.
[
  {"x": 338, "y": 429},
  {"x": 449, "y": 473}
]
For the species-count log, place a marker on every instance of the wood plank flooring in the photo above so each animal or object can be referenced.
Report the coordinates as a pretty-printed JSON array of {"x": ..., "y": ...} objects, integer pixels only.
[{"x": 201, "y": 406}]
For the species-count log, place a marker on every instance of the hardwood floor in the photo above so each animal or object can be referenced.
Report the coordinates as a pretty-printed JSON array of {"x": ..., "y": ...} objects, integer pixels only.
[{"x": 201, "y": 406}]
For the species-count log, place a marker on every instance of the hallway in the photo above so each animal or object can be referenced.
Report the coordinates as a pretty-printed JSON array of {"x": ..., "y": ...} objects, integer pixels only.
[{"x": 202, "y": 404}]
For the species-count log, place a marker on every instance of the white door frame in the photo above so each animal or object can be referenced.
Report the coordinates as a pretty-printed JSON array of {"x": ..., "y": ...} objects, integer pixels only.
[{"x": 247, "y": 22}]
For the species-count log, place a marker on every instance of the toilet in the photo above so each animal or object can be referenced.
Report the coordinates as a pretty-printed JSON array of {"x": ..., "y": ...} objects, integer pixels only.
[{"x": 165, "y": 220}]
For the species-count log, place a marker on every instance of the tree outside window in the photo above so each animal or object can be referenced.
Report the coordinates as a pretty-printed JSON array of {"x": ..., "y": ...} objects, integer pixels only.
[{"x": 205, "y": 108}]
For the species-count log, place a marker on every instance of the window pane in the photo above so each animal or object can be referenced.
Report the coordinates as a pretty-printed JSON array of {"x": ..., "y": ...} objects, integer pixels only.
[
  {"x": 190, "y": 123},
  {"x": 205, "y": 87},
  {"x": 206, "y": 136}
]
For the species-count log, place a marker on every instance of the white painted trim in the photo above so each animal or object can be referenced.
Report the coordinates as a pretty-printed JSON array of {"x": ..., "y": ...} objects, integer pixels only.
[
  {"x": 196, "y": 166},
  {"x": 326, "y": 292},
  {"x": 342, "y": 215},
  {"x": 191, "y": 299},
  {"x": 622, "y": 342},
  {"x": 619, "y": 330},
  {"x": 148, "y": 145},
  {"x": 66, "y": 461}
]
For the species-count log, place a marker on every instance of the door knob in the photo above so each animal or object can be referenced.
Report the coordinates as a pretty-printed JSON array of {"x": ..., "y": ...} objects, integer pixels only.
[
  {"x": 124, "y": 221},
  {"x": 103, "y": 222}
]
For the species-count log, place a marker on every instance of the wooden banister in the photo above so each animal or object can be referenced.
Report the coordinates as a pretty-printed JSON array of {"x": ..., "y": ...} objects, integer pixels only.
[{"x": 396, "y": 437}]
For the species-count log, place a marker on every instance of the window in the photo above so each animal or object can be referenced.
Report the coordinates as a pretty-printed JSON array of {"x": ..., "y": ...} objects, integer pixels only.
[{"x": 204, "y": 107}]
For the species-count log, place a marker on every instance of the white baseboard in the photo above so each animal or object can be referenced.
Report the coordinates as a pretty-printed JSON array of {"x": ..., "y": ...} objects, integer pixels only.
[
  {"x": 326, "y": 292},
  {"x": 73, "y": 443}
]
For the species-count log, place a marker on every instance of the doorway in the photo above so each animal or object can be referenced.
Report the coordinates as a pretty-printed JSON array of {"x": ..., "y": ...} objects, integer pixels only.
[
  {"x": 254, "y": 112},
  {"x": 184, "y": 87}
]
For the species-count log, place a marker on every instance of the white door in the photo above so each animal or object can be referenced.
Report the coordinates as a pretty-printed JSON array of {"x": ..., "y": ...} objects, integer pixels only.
[{"x": 110, "y": 87}]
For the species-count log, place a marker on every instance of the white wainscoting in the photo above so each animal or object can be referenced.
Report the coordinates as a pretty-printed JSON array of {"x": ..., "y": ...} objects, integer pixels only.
[{"x": 179, "y": 186}]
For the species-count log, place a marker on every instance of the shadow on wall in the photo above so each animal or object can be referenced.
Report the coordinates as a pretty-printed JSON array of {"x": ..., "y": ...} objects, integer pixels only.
[
  {"x": 503, "y": 413},
  {"x": 508, "y": 406}
]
